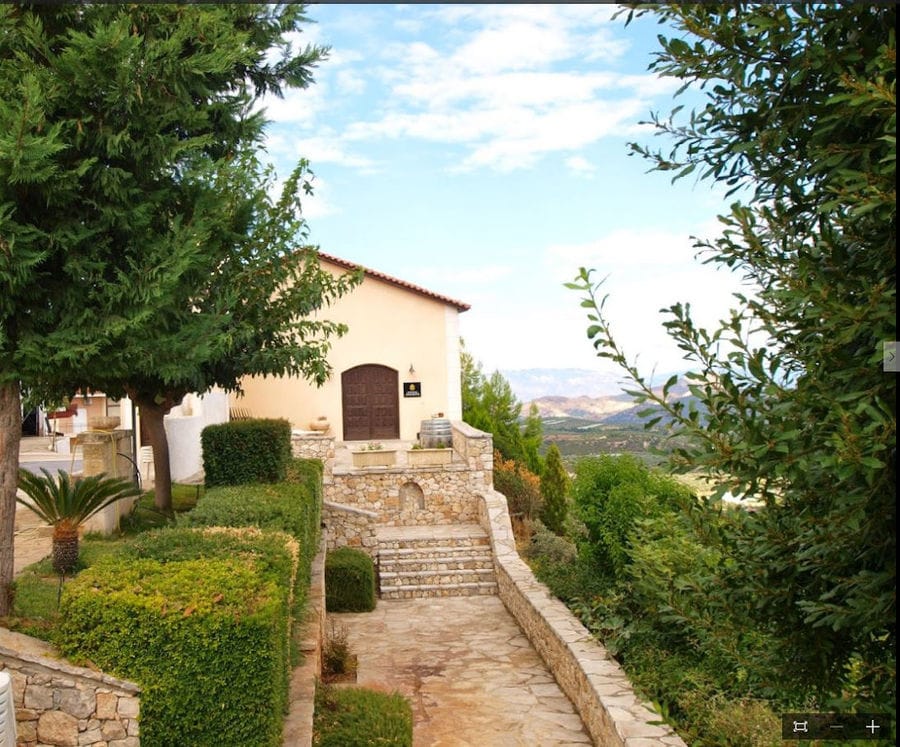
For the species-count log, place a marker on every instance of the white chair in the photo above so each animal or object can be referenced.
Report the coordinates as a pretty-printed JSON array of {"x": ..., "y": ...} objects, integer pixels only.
[
  {"x": 7, "y": 712},
  {"x": 146, "y": 462}
]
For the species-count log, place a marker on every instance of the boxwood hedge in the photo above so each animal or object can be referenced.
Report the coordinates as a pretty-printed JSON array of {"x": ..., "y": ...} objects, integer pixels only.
[
  {"x": 349, "y": 581},
  {"x": 294, "y": 507},
  {"x": 205, "y": 638},
  {"x": 246, "y": 451}
]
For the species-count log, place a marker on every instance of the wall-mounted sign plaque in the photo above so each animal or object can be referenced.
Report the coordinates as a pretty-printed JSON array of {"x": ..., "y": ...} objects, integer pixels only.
[{"x": 412, "y": 389}]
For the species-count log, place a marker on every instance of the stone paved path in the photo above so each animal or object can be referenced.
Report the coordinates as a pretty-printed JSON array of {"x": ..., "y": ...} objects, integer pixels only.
[{"x": 471, "y": 675}]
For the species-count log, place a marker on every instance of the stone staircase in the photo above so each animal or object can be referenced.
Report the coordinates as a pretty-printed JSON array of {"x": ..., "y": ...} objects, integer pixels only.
[{"x": 435, "y": 561}]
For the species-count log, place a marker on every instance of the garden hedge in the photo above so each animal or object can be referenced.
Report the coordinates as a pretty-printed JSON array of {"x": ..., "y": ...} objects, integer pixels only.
[
  {"x": 246, "y": 451},
  {"x": 205, "y": 639},
  {"x": 294, "y": 507},
  {"x": 349, "y": 581}
]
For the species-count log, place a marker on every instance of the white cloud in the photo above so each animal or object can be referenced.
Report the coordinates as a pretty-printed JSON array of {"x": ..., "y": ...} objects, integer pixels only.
[
  {"x": 299, "y": 107},
  {"x": 509, "y": 83},
  {"x": 580, "y": 165}
]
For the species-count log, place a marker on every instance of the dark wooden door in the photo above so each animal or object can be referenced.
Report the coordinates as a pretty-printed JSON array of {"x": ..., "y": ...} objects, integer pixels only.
[{"x": 371, "y": 403}]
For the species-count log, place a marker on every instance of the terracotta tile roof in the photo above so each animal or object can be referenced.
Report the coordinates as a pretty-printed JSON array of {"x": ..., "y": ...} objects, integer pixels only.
[{"x": 459, "y": 305}]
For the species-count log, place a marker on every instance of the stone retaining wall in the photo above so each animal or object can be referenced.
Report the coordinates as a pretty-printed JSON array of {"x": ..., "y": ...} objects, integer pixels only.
[
  {"x": 477, "y": 450},
  {"x": 405, "y": 497},
  {"x": 310, "y": 445},
  {"x": 57, "y": 703},
  {"x": 347, "y": 526},
  {"x": 593, "y": 680}
]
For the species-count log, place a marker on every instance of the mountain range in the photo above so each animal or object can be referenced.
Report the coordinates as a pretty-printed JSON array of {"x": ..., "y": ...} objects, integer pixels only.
[{"x": 578, "y": 393}]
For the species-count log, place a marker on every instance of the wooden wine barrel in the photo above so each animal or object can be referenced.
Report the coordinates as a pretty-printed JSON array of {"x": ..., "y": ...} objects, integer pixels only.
[{"x": 436, "y": 433}]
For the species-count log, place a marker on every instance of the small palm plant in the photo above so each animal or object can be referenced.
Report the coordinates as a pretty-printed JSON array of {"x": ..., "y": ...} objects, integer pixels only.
[{"x": 65, "y": 504}]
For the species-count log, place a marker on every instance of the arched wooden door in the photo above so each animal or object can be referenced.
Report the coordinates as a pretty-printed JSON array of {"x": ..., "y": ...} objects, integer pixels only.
[{"x": 371, "y": 403}]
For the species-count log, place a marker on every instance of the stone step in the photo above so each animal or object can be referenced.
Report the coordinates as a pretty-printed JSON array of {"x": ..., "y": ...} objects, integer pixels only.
[
  {"x": 434, "y": 552},
  {"x": 439, "y": 578},
  {"x": 452, "y": 560},
  {"x": 475, "y": 588},
  {"x": 437, "y": 564},
  {"x": 423, "y": 543}
]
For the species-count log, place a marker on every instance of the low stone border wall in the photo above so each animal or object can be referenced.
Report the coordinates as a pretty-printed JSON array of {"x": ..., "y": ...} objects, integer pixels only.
[
  {"x": 477, "y": 450},
  {"x": 298, "y": 725},
  {"x": 309, "y": 445},
  {"x": 57, "y": 703},
  {"x": 349, "y": 526},
  {"x": 593, "y": 680}
]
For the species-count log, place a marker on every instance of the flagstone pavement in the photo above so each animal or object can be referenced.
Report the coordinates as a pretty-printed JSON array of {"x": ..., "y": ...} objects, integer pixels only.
[{"x": 470, "y": 674}]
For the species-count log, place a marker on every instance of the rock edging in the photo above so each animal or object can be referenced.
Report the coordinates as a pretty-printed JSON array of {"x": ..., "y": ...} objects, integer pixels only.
[
  {"x": 61, "y": 704},
  {"x": 589, "y": 676}
]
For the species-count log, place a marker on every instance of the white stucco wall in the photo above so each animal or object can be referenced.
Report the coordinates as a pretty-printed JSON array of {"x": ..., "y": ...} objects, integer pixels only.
[{"x": 183, "y": 427}]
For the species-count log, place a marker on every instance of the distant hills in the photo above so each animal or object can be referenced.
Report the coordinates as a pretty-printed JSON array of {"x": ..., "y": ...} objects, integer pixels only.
[
  {"x": 532, "y": 383},
  {"x": 580, "y": 395}
]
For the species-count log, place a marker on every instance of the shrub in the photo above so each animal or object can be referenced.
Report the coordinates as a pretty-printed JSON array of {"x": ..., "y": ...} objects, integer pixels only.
[
  {"x": 204, "y": 638},
  {"x": 349, "y": 581},
  {"x": 246, "y": 451},
  {"x": 337, "y": 659},
  {"x": 549, "y": 547},
  {"x": 292, "y": 507},
  {"x": 521, "y": 487},
  {"x": 554, "y": 490},
  {"x": 345, "y": 717},
  {"x": 612, "y": 494}
]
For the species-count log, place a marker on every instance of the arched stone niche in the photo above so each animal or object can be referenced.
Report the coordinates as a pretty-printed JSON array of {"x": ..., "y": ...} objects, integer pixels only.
[{"x": 411, "y": 497}]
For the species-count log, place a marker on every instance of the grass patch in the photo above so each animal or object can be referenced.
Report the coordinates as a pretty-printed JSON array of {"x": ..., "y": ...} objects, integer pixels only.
[
  {"x": 145, "y": 516},
  {"x": 35, "y": 609},
  {"x": 355, "y": 717}
]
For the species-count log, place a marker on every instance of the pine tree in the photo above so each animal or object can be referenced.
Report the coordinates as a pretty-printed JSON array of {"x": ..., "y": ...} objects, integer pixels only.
[{"x": 555, "y": 490}]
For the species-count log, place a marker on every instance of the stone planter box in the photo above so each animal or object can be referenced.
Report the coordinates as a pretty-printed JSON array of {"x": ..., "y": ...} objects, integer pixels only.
[
  {"x": 428, "y": 457},
  {"x": 375, "y": 458}
]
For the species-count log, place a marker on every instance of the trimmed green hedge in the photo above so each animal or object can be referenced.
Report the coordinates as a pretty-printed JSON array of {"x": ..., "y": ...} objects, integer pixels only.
[
  {"x": 349, "y": 581},
  {"x": 246, "y": 451},
  {"x": 294, "y": 507},
  {"x": 204, "y": 638}
]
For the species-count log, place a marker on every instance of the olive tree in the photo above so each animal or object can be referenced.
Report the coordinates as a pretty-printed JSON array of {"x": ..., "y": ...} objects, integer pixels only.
[{"x": 791, "y": 404}]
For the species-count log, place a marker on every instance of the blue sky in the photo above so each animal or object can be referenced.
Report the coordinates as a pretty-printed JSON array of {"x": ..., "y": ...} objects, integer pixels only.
[{"x": 480, "y": 151}]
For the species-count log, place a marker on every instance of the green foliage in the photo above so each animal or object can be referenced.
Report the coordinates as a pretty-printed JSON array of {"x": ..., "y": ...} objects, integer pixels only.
[
  {"x": 800, "y": 118},
  {"x": 205, "y": 638},
  {"x": 272, "y": 552},
  {"x": 554, "y": 489},
  {"x": 246, "y": 451},
  {"x": 66, "y": 504},
  {"x": 292, "y": 507},
  {"x": 144, "y": 515},
  {"x": 355, "y": 717},
  {"x": 488, "y": 403},
  {"x": 521, "y": 487},
  {"x": 611, "y": 495},
  {"x": 349, "y": 581},
  {"x": 143, "y": 252},
  {"x": 61, "y": 500},
  {"x": 547, "y": 546}
]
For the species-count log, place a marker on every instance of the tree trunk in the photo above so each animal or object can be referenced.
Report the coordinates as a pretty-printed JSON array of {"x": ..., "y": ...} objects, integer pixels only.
[
  {"x": 152, "y": 416},
  {"x": 10, "y": 438}
]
